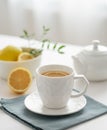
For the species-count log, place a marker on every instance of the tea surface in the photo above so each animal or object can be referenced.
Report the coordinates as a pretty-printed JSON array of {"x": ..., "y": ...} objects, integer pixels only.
[{"x": 56, "y": 73}]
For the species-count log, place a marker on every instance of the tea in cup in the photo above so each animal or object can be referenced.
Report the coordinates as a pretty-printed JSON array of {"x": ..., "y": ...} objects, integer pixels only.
[{"x": 55, "y": 84}]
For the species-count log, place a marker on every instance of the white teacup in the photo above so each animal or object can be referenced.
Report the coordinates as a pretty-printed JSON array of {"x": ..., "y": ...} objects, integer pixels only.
[{"x": 55, "y": 84}]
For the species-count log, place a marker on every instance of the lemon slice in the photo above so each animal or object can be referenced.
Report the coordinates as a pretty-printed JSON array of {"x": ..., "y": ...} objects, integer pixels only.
[
  {"x": 24, "y": 56},
  {"x": 10, "y": 53},
  {"x": 19, "y": 80}
]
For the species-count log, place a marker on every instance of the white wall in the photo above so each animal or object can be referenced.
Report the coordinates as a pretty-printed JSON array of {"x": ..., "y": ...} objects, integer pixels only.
[{"x": 71, "y": 21}]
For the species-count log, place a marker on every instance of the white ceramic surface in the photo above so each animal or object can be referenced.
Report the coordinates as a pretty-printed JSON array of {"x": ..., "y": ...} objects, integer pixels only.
[
  {"x": 92, "y": 62},
  {"x": 56, "y": 91},
  {"x": 34, "y": 104},
  {"x": 7, "y": 66}
]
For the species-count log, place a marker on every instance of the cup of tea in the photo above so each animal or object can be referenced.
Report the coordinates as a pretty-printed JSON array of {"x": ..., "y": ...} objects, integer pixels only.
[{"x": 55, "y": 84}]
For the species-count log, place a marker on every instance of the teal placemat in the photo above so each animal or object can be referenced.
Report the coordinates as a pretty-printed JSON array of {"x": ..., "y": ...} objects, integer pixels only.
[{"x": 15, "y": 108}]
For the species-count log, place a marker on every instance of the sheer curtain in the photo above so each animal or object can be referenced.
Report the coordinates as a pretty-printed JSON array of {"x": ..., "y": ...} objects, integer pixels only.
[{"x": 70, "y": 21}]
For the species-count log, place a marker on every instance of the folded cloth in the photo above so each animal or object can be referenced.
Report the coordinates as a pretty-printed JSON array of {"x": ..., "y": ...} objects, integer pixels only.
[{"x": 15, "y": 107}]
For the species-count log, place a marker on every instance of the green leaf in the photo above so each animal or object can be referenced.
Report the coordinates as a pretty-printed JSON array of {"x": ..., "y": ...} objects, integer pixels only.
[
  {"x": 48, "y": 46},
  {"x": 60, "y": 48},
  {"x": 54, "y": 47},
  {"x": 27, "y": 36},
  {"x": 35, "y": 52},
  {"x": 45, "y": 40},
  {"x": 25, "y": 32},
  {"x": 43, "y": 44},
  {"x": 45, "y": 30}
]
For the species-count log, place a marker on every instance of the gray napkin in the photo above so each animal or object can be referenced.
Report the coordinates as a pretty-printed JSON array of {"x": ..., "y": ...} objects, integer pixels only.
[{"x": 15, "y": 108}]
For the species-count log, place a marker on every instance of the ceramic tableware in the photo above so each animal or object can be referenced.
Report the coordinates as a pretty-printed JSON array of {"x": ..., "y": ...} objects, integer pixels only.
[
  {"x": 92, "y": 62},
  {"x": 34, "y": 104},
  {"x": 55, "y": 85}
]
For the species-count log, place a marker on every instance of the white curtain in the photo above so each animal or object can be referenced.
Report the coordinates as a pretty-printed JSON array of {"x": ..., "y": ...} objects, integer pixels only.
[{"x": 70, "y": 21}]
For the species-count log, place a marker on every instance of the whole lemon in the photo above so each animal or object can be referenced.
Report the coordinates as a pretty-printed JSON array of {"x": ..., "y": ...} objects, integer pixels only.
[{"x": 10, "y": 53}]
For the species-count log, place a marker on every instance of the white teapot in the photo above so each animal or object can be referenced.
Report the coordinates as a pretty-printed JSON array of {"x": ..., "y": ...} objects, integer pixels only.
[{"x": 92, "y": 62}]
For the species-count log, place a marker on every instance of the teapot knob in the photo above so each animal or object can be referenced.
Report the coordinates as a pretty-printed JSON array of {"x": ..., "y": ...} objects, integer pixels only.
[{"x": 95, "y": 44}]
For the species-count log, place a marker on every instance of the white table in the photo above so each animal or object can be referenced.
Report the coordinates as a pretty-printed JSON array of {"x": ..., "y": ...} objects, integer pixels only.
[{"x": 96, "y": 90}]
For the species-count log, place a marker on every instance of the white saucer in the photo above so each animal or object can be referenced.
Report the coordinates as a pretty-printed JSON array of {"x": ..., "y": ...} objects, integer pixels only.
[{"x": 34, "y": 104}]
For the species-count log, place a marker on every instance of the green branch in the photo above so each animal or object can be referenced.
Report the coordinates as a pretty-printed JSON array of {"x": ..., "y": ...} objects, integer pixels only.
[{"x": 44, "y": 40}]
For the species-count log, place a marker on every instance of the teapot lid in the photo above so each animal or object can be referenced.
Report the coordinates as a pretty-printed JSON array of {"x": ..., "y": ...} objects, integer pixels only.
[{"x": 95, "y": 49}]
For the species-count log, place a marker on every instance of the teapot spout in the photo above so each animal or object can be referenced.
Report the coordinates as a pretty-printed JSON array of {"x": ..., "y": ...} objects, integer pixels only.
[{"x": 79, "y": 66}]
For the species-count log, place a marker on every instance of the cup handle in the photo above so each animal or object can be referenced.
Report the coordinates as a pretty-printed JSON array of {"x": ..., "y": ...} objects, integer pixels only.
[{"x": 86, "y": 83}]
